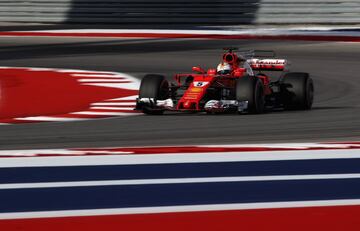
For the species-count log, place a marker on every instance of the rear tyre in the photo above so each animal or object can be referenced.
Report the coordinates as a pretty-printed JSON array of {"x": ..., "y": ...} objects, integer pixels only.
[
  {"x": 297, "y": 91},
  {"x": 251, "y": 89},
  {"x": 155, "y": 87}
]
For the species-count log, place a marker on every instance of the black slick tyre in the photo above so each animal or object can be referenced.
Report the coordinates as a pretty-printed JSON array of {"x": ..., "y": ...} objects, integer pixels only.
[
  {"x": 155, "y": 87},
  {"x": 297, "y": 91},
  {"x": 251, "y": 89}
]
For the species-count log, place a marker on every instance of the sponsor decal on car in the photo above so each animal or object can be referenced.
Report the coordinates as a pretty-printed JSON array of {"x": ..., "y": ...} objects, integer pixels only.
[{"x": 196, "y": 89}]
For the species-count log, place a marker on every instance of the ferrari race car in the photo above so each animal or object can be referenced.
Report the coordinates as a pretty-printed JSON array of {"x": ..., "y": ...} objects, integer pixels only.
[{"x": 238, "y": 85}]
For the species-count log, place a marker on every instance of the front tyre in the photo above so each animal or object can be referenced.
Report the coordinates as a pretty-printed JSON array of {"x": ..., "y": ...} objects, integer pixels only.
[
  {"x": 297, "y": 91},
  {"x": 153, "y": 87},
  {"x": 251, "y": 89}
]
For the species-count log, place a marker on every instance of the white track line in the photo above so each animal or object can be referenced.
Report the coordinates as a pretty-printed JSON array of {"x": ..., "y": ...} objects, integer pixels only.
[
  {"x": 104, "y": 113},
  {"x": 133, "y": 97},
  {"x": 130, "y": 85},
  {"x": 178, "y": 181},
  {"x": 233, "y": 31},
  {"x": 58, "y": 152},
  {"x": 288, "y": 145},
  {"x": 114, "y": 108},
  {"x": 181, "y": 208},
  {"x": 75, "y": 72},
  {"x": 163, "y": 158},
  {"x": 114, "y": 104},
  {"x": 50, "y": 119},
  {"x": 98, "y": 76},
  {"x": 118, "y": 80}
]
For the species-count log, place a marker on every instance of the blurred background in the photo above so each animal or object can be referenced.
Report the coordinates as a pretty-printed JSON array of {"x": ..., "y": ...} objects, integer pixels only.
[{"x": 181, "y": 12}]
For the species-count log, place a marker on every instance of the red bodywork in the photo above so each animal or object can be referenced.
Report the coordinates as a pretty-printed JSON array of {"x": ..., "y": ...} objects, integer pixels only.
[
  {"x": 195, "y": 92},
  {"x": 205, "y": 79}
]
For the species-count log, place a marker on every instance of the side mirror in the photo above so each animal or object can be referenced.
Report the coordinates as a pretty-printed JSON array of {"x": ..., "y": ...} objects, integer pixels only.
[{"x": 198, "y": 70}]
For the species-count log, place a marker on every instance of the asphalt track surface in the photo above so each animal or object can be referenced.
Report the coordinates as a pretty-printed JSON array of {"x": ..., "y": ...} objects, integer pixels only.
[{"x": 334, "y": 67}]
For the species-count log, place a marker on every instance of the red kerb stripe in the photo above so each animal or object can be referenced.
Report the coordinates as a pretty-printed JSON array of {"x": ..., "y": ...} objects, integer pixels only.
[{"x": 337, "y": 218}]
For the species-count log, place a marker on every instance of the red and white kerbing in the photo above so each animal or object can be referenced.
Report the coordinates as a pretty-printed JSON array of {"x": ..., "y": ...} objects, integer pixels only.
[
  {"x": 46, "y": 94},
  {"x": 210, "y": 153}
]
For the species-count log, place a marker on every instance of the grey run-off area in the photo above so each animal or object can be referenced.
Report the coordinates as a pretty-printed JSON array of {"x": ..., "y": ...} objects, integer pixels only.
[{"x": 333, "y": 66}]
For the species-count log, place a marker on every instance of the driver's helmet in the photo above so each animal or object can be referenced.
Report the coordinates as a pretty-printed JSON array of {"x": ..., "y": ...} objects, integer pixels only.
[{"x": 224, "y": 68}]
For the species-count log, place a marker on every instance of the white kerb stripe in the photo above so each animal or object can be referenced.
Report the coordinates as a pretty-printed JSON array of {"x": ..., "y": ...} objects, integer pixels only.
[
  {"x": 172, "y": 158},
  {"x": 114, "y": 108},
  {"x": 86, "y": 72},
  {"x": 105, "y": 113},
  {"x": 49, "y": 118},
  {"x": 133, "y": 97},
  {"x": 178, "y": 181},
  {"x": 58, "y": 152},
  {"x": 180, "y": 208},
  {"x": 129, "y": 86},
  {"x": 103, "y": 80},
  {"x": 114, "y": 104},
  {"x": 97, "y": 76}
]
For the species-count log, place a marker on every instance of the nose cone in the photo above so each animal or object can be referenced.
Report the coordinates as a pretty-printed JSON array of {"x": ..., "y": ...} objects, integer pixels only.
[{"x": 187, "y": 104}]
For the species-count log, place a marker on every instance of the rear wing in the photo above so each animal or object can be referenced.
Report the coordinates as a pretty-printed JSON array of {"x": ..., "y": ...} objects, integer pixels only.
[
  {"x": 268, "y": 64},
  {"x": 264, "y": 60}
]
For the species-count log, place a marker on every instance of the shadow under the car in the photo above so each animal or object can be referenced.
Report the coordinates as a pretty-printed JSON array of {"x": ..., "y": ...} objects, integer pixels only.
[{"x": 274, "y": 111}]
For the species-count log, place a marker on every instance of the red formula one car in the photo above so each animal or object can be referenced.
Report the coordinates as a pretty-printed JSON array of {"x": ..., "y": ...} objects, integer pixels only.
[{"x": 239, "y": 84}]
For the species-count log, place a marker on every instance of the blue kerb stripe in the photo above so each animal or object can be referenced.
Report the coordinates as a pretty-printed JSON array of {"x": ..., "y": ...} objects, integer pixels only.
[
  {"x": 96, "y": 197},
  {"x": 188, "y": 170}
]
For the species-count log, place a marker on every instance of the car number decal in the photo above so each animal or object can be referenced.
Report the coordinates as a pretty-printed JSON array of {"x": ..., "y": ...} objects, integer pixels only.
[{"x": 200, "y": 84}]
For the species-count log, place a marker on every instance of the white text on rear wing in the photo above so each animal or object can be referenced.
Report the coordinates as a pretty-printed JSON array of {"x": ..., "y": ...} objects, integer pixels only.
[{"x": 268, "y": 64}]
